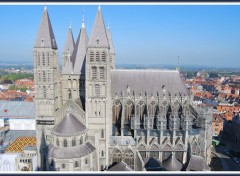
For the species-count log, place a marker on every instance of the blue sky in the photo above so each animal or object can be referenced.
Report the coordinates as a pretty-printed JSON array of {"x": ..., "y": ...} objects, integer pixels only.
[{"x": 142, "y": 34}]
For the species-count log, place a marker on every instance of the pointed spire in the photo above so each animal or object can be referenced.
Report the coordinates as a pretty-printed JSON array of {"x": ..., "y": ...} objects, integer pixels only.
[
  {"x": 45, "y": 35},
  {"x": 68, "y": 49},
  {"x": 79, "y": 53},
  {"x": 111, "y": 50},
  {"x": 98, "y": 36},
  {"x": 69, "y": 45}
]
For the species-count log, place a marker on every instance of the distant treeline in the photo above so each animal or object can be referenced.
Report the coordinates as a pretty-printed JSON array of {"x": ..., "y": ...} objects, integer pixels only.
[{"x": 11, "y": 77}]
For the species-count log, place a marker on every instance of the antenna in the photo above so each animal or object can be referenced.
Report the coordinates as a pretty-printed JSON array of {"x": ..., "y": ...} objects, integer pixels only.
[
  {"x": 178, "y": 68},
  {"x": 70, "y": 23},
  {"x": 83, "y": 25},
  {"x": 108, "y": 23}
]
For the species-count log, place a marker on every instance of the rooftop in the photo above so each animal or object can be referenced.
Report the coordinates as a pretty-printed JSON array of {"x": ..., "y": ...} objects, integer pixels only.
[
  {"x": 18, "y": 145},
  {"x": 17, "y": 109},
  {"x": 150, "y": 81}
]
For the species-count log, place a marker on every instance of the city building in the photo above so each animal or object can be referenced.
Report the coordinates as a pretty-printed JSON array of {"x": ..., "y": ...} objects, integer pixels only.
[
  {"x": 217, "y": 124},
  {"x": 97, "y": 116}
]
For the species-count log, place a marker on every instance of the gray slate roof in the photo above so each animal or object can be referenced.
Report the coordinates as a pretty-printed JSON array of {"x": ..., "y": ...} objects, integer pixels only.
[
  {"x": 79, "y": 53},
  {"x": 17, "y": 109},
  {"x": 30, "y": 147},
  {"x": 109, "y": 36},
  {"x": 121, "y": 166},
  {"x": 152, "y": 163},
  {"x": 70, "y": 152},
  {"x": 197, "y": 163},
  {"x": 69, "y": 126},
  {"x": 98, "y": 32},
  {"x": 45, "y": 33},
  {"x": 78, "y": 102},
  {"x": 69, "y": 45},
  {"x": 68, "y": 49},
  {"x": 149, "y": 81},
  {"x": 172, "y": 164}
]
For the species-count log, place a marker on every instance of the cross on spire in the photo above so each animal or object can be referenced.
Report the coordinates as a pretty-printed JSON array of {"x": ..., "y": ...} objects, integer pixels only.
[
  {"x": 83, "y": 25},
  {"x": 70, "y": 23}
]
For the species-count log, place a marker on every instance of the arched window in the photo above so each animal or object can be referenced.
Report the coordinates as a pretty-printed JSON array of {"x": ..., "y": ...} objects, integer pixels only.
[
  {"x": 91, "y": 56},
  {"x": 128, "y": 111},
  {"x": 48, "y": 59},
  {"x": 57, "y": 142},
  {"x": 69, "y": 93},
  {"x": 97, "y": 89},
  {"x": 116, "y": 109},
  {"x": 152, "y": 109},
  {"x": 39, "y": 77},
  {"x": 75, "y": 83},
  {"x": 76, "y": 164},
  {"x": 154, "y": 151},
  {"x": 43, "y": 59},
  {"x": 103, "y": 56},
  {"x": 195, "y": 149},
  {"x": 129, "y": 158},
  {"x": 39, "y": 59},
  {"x": 102, "y": 153},
  {"x": 117, "y": 155},
  {"x": 97, "y": 56},
  {"x": 102, "y": 73},
  {"x": 48, "y": 75},
  {"x": 140, "y": 110},
  {"x": 73, "y": 142},
  {"x": 65, "y": 143},
  {"x": 81, "y": 140},
  {"x": 102, "y": 133},
  {"x": 167, "y": 151},
  {"x": 44, "y": 92},
  {"x": 86, "y": 161},
  {"x": 142, "y": 150},
  {"x": 69, "y": 83},
  {"x": 44, "y": 76},
  {"x": 94, "y": 72},
  {"x": 179, "y": 152}
]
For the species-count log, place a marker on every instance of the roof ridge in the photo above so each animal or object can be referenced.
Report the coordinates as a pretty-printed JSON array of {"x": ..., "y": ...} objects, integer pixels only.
[{"x": 150, "y": 70}]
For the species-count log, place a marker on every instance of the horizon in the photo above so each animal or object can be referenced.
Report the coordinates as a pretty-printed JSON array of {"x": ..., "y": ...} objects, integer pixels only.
[{"x": 156, "y": 35}]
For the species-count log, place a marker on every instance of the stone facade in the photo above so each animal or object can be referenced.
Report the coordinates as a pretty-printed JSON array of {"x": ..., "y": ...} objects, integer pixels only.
[{"x": 127, "y": 115}]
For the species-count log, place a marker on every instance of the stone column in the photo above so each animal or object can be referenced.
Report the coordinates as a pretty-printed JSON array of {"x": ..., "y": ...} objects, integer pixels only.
[
  {"x": 122, "y": 119},
  {"x": 185, "y": 142}
]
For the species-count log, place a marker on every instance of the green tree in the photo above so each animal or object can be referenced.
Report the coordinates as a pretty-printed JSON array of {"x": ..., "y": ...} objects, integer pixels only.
[{"x": 23, "y": 89}]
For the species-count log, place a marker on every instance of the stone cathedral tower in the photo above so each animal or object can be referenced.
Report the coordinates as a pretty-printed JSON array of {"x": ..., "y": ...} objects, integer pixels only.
[
  {"x": 98, "y": 89},
  {"x": 67, "y": 68},
  {"x": 74, "y": 59},
  {"x": 47, "y": 83}
]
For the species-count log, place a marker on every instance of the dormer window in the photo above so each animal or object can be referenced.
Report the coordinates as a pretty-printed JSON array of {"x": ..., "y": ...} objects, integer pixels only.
[
  {"x": 53, "y": 40},
  {"x": 42, "y": 42}
]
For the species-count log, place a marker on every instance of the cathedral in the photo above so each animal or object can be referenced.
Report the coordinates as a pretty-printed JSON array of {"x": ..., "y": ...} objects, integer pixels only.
[{"x": 94, "y": 117}]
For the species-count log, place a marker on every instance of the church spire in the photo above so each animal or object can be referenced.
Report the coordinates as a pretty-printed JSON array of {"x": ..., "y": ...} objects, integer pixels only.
[
  {"x": 98, "y": 36},
  {"x": 45, "y": 35},
  {"x": 69, "y": 45},
  {"x": 110, "y": 40},
  {"x": 79, "y": 53}
]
